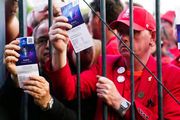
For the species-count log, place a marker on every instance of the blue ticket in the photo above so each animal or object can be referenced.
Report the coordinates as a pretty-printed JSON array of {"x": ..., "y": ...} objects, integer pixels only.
[
  {"x": 178, "y": 35},
  {"x": 73, "y": 14},
  {"x": 27, "y": 51}
]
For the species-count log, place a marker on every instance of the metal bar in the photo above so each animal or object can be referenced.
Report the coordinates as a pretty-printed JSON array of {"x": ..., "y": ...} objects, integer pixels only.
[
  {"x": 159, "y": 65},
  {"x": 78, "y": 62},
  {"x": 131, "y": 35},
  {"x": 50, "y": 18},
  {"x": 22, "y": 18},
  {"x": 50, "y": 12},
  {"x": 23, "y": 33},
  {"x": 3, "y": 41},
  {"x": 103, "y": 31}
]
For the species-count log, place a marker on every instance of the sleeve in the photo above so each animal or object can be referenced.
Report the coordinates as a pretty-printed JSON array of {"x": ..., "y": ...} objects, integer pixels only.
[
  {"x": 64, "y": 83},
  {"x": 60, "y": 112},
  {"x": 172, "y": 106},
  {"x": 143, "y": 113}
]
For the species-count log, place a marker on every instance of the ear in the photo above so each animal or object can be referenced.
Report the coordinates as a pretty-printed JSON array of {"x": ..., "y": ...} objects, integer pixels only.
[
  {"x": 153, "y": 39},
  {"x": 96, "y": 18}
]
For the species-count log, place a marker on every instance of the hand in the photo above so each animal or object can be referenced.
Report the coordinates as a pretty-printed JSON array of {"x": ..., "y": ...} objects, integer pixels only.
[
  {"x": 58, "y": 33},
  {"x": 106, "y": 90},
  {"x": 39, "y": 89},
  {"x": 11, "y": 56},
  {"x": 41, "y": 12}
]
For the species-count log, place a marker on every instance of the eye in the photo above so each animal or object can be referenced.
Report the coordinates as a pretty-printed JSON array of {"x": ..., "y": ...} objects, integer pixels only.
[{"x": 42, "y": 40}]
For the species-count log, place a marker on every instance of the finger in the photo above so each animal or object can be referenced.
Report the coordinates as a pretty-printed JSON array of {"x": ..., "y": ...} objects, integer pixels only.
[
  {"x": 12, "y": 47},
  {"x": 58, "y": 37},
  {"x": 11, "y": 53},
  {"x": 15, "y": 42},
  {"x": 38, "y": 78},
  {"x": 101, "y": 86},
  {"x": 33, "y": 89},
  {"x": 103, "y": 96},
  {"x": 33, "y": 94},
  {"x": 59, "y": 31},
  {"x": 11, "y": 59},
  {"x": 103, "y": 80},
  {"x": 61, "y": 19},
  {"x": 33, "y": 83},
  {"x": 62, "y": 25},
  {"x": 102, "y": 91}
]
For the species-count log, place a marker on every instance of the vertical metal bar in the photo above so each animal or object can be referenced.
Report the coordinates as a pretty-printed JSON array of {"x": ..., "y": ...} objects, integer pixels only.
[
  {"x": 78, "y": 86},
  {"x": 159, "y": 65},
  {"x": 103, "y": 31},
  {"x": 23, "y": 32},
  {"x": 2, "y": 41},
  {"x": 131, "y": 31},
  {"x": 22, "y": 18},
  {"x": 50, "y": 12},
  {"x": 50, "y": 18}
]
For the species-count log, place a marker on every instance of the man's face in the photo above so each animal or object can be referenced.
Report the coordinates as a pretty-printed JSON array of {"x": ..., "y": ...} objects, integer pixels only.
[
  {"x": 167, "y": 33},
  {"x": 42, "y": 43},
  {"x": 142, "y": 41},
  {"x": 94, "y": 26}
]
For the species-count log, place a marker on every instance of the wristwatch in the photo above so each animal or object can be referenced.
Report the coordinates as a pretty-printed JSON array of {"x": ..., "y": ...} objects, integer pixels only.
[
  {"x": 50, "y": 105},
  {"x": 124, "y": 106}
]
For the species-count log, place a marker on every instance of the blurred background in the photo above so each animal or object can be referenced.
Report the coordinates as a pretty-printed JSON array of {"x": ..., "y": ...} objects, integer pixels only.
[{"x": 165, "y": 5}]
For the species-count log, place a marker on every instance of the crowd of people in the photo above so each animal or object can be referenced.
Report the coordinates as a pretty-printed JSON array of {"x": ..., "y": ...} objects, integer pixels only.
[{"x": 53, "y": 94}]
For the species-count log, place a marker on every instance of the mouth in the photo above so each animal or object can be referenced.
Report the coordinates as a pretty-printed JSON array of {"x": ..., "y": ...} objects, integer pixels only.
[
  {"x": 46, "y": 54},
  {"x": 123, "y": 47}
]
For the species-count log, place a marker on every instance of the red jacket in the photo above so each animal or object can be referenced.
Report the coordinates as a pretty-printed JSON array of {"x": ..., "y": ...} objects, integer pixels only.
[
  {"x": 176, "y": 61},
  {"x": 146, "y": 105}
]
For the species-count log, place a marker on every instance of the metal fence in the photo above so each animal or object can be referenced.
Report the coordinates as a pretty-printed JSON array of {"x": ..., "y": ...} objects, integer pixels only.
[{"x": 23, "y": 27}]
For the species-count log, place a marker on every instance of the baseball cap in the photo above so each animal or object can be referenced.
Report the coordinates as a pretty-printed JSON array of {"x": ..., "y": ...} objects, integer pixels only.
[
  {"x": 143, "y": 20},
  {"x": 169, "y": 16}
]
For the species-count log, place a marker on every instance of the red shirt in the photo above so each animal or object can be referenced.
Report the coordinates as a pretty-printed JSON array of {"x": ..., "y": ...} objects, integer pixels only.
[
  {"x": 146, "y": 98},
  {"x": 176, "y": 61}
]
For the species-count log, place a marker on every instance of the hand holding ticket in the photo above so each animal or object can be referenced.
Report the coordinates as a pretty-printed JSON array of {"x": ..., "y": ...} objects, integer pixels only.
[
  {"x": 79, "y": 34},
  {"x": 27, "y": 63}
]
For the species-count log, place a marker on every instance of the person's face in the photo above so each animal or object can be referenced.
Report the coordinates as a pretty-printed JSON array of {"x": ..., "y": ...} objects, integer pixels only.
[
  {"x": 142, "y": 42},
  {"x": 167, "y": 32},
  {"x": 94, "y": 26},
  {"x": 42, "y": 43}
]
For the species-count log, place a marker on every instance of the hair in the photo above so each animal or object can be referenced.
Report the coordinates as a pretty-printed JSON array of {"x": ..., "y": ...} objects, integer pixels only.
[
  {"x": 37, "y": 27},
  {"x": 113, "y": 9}
]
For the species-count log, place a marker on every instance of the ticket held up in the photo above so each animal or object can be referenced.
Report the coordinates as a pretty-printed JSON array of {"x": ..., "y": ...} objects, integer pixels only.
[
  {"x": 79, "y": 34},
  {"x": 27, "y": 63}
]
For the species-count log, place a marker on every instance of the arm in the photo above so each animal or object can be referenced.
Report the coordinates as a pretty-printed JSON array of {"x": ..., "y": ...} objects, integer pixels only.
[
  {"x": 170, "y": 106},
  {"x": 40, "y": 13},
  {"x": 61, "y": 76},
  {"x": 107, "y": 91},
  {"x": 39, "y": 89},
  {"x": 60, "y": 112},
  {"x": 11, "y": 57},
  {"x": 11, "y": 7}
]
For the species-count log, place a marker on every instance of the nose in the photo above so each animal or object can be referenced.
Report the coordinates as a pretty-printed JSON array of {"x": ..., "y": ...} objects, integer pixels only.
[
  {"x": 124, "y": 38},
  {"x": 47, "y": 44}
]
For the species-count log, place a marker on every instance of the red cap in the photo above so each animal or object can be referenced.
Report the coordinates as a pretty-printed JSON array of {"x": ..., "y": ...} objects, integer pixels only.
[
  {"x": 143, "y": 20},
  {"x": 169, "y": 16}
]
